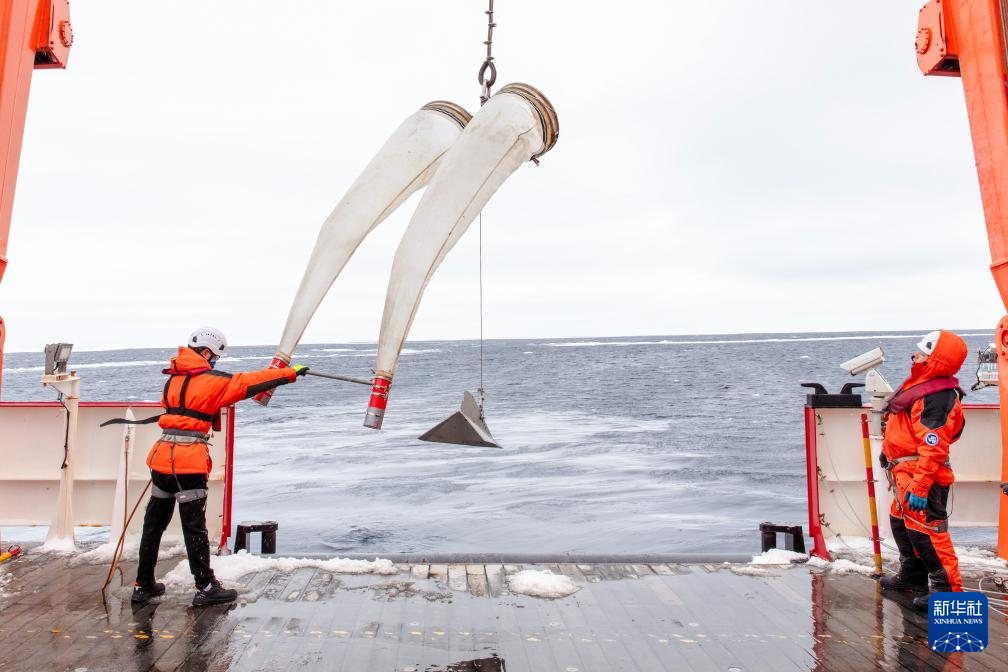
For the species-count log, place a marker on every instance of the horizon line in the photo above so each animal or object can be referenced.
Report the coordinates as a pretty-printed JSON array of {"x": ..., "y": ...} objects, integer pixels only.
[{"x": 880, "y": 333}]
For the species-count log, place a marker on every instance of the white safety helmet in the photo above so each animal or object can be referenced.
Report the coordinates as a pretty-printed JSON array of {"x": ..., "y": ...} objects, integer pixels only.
[
  {"x": 208, "y": 337},
  {"x": 928, "y": 342}
]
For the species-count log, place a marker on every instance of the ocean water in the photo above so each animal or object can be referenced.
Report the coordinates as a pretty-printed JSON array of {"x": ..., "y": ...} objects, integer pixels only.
[{"x": 610, "y": 445}]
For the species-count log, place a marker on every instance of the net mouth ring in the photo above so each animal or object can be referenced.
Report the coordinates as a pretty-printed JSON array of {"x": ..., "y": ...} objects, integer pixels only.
[
  {"x": 453, "y": 111},
  {"x": 548, "y": 120}
]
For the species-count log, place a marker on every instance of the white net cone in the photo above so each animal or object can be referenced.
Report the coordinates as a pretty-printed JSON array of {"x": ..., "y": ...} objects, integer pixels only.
[
  {"x": 515, "y": 126},
  {"x": 403, "y": 165}
]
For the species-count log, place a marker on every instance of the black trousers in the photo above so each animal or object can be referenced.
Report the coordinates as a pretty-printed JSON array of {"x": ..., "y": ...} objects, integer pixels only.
[{"x": 193, "y": 516}]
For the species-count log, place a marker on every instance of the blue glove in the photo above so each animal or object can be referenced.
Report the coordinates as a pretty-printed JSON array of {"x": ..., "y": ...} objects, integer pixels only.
[{"x": 914, "y": 502}]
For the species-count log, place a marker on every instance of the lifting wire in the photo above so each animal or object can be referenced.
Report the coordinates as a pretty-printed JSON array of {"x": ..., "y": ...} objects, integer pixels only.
[
  {"x": 485, "y": 84},
  {"x": 481, "y": 393}
]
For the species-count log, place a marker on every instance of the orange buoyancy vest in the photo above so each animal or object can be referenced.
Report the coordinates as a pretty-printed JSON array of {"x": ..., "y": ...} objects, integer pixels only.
[
  {"x": 193, "y": 396},
  {"x": 927, "y": 428}
]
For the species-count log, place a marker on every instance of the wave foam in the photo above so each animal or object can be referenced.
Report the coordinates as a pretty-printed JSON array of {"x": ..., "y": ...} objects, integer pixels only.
[
  {"x": 93, "y": 365},
  {"x": 805, "y": 339}
]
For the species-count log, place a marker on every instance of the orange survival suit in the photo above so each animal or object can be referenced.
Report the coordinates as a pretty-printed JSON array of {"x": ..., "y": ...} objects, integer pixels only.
[
  {"x": 924, "y": 418},
  {"x": 192, "y": 399}
]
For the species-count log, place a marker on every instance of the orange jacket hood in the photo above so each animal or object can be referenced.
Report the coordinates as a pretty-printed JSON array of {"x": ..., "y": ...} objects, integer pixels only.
[
  {"x": 189, "y": 361},
  {"x": 947, "y": 358}
]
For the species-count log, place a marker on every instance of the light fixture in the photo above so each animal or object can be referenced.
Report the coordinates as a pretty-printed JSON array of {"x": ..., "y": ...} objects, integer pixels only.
[{"x": 57, "y": 355}]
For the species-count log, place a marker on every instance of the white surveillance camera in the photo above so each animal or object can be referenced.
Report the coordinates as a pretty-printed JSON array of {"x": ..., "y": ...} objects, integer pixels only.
[{"x": 865, "y": 362}]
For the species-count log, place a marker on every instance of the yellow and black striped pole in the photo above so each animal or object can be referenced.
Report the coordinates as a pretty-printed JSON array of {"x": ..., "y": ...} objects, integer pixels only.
[{"x": 872, "y": 508}]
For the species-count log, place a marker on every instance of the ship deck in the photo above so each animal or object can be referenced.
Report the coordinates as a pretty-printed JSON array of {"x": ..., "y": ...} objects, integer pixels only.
[{"x": 461, "y": 617}]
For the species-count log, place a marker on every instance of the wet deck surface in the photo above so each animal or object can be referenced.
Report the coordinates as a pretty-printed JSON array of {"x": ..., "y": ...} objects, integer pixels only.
[{"x": 440, "y": 618}]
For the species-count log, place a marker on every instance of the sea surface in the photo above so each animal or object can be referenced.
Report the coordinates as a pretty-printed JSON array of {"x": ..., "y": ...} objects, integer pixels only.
[{"x": 610, "y": 445}]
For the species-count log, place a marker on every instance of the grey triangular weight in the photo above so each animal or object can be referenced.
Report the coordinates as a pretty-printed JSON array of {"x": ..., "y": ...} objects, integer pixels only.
[{"x": 465, "y": 427}]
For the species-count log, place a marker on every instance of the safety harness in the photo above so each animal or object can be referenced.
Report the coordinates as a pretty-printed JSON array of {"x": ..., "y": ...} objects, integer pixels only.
[
  {"x": 181, "y": 409},
  {"x": 942, "y": 525},
  {"x": 175, "y": 437}
]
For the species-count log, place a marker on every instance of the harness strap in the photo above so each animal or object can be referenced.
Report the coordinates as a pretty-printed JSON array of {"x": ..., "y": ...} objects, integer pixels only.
[
  {"x": 181, "y": 408},
  {"x": 176, "y": 436},
  {"x": 941, "y": 526},
  {"x": 192, "y": 495},
  {"x": 188, "y": 433},
  {"x": 910, "y": 458},
  {"x": 158, "y": 493},
  {"x": 124, "y": 421}
]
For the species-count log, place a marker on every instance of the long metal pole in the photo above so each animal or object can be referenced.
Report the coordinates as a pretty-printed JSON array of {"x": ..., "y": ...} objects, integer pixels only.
[
  {"x": 873, "y": 509},
  {"x": 336, "y": 376}
]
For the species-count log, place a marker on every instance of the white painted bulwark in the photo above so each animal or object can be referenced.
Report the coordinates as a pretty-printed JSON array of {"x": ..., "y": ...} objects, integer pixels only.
[
  {"x": 843, "y": 494},
  {"x": 31, "y": 453}
]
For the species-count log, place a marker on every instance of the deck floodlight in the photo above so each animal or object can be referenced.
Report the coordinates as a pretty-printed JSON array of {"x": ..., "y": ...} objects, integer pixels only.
[
  {"x": 56, "y": 357},
  {"x": 861, "y": 363},
  {"x": 987, "y": 368}
]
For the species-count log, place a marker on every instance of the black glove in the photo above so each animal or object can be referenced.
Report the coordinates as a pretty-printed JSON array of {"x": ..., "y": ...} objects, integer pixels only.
[
  {"x": 300, "y": 369},
  {"x": 1004, "y": 488},
  {"x": 883, "y": 461}
]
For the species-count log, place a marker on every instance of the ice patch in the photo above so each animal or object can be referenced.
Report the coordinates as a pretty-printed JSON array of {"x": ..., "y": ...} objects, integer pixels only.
[
  {"x": 542, "y": 583},
  {"x": 845, "y": 566},
  {"x": 58, "y": 546},
  {"x": 748, "y": 570},
  {"x": 778, "y": 556},
  {"x": 102, "y": 555},
  {"x": 232, "y": 567},
  {"x": 816, "y": 561},
  {"x": 5, "y": 579},
  {"x": 860, "y": 549},
  {"x": 972, "y": 557}
]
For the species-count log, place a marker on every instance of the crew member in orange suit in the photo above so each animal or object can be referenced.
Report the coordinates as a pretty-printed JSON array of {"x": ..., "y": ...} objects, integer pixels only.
[
  {"x": 180, "y": 462},
  {"x": 924, "y": 418}
]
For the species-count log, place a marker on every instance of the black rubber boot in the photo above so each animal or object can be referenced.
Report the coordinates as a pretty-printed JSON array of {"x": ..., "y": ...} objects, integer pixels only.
[
  {"x": 215, "y": 593},
  {"x": 143, "y": 593},
  {"x": 899, "y": 584},
  {"x": 939, "y": 584}
]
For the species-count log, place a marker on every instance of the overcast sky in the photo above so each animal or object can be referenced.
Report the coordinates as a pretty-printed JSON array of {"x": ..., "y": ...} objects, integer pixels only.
[{"x": 724, "y": 166}]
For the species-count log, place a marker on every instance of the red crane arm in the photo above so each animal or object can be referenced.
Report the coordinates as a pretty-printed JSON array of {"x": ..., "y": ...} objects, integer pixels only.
[
  {"x": 968, "y": 38},
  {"x": 34, "y": 34}
]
